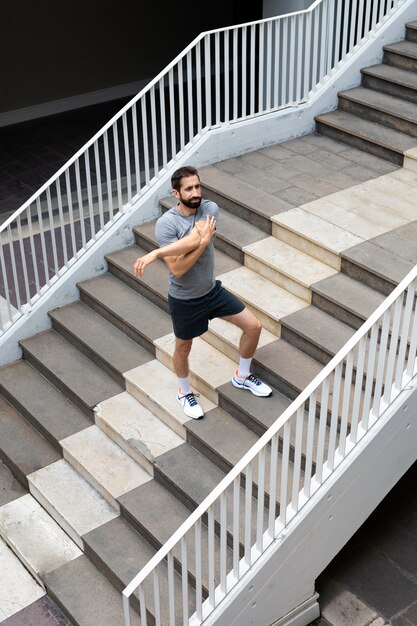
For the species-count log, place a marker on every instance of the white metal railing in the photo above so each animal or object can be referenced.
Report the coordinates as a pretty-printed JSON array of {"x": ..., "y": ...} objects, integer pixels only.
[
  {"x": 260, "y": 496},
  {"x": 222, "y": 77}
]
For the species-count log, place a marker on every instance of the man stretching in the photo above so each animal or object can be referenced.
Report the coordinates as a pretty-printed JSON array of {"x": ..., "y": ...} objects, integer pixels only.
[{"x": 185, "y": 234}]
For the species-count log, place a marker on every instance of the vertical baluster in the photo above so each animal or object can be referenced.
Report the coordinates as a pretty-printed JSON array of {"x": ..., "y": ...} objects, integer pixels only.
[
  {"x": 43, "y": 244},
  {"x": 244, "y": 56},
  {"x": 181, "y": 104},
  {"x": 357, "y": 396},
  {"x": 331, "y": 36},
  {"x": 171, "y": 86},
  {"x": 321, "y": 440},
  {"x": 52, "y": 231},
  {"x": 126, "y": 144},
  {"x": 273, "y": 487},
  {"x": 211, "y": 569},
  {"x": 108, "y": 175},
  {"x": 207, "y": 73},
  {"x": 283, "y": 500},
  {"x": 198, "y": 571},
  {"x": 89, "y": 194},
  {"x": 345, "y": 25},
  {"x": 142, "y": 607},
  {"x": 248, "y": 514},
  {"x": 367, "y": 24},
  {"x": 292, "y": 56},
  {"x": 369, "y": 373},
  {"x": 70, "y": 212},
  {"x": 223, "y": 542},
  {"x": 157, "y": 596},
  {"x": 226, "y": 46},
  {"x": 154, "y": 127},
  {"x": 80, "y": 203},
  {"x": 217, "y": 66},
  {"x": 33, "y": 252},
  {"x": 374, "y": 16},
  {"x": 6, "y": 281},
  {"x": 382, "y": 358},
  {"x": 361, "y": 19},
  {"x": 261, "y": 55},
  {"x": 353, "y": 16},
  {"x": 145, "y": 140},
  {"x": 301, "y": 53},
  {"x": 324, "y": 40},
  {"x": 235, "y": 75},
  {"x": 236, "y": 525},
  {"x": 311, "y": 425},
  {"x": 199, "y": 86},
  {"x": 184, "y": 580},
  {"x": 411, "y": 359},
  {"x": 347, "y": 391},
  {"x": 99, "y": 184},
  {"x": 163, "y": 122},
  {"x": 268, "y": 71},
  {"x": 252, "y": 71},
  {"x": 117, "y": 165},
  {"x": 392, "y": 351},
  {"x": 136, "y": 147},
  {"x": 190, "y": 96},
  {"x": 261, "y": 499},
  {"x": 315, "y": 46},
  {"x": 297, "y": 458},
  {"x": 334, "y": 417},
  {"x": 381, "y": 10},
  {"x": 405, "y": 329},
  {"x": 23, "y": 263},
  {"x": 277, "y": 63},
  {"x": 171, "y": 590}
]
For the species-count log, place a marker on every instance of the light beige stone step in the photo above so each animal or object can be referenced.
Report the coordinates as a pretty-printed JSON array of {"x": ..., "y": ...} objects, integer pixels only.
[
  {"x": 78, "y": 508},
  {"x": 268, "y": 301},
  {"x": 410, "y": 160},
  {"x": 407, "y": 176},
  {"x": 136, "y": 429},
  {"x": 18, "y": 589},
  {"x": 225, "y": 337},
  {"x": 313, "y": 235},
  {"x": 32, "y": 534},
  {"x": 394, "y": 194},
  {"x": 155, "y": 386},
  {"x": 356, "y": 219},
  {"x": 286, "y": 266},
  {"x": 209, "y": 368},
  {"x": 103, "y": 464}
]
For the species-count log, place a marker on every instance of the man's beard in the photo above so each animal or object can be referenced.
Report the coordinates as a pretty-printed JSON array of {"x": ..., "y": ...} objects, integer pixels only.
[{"x": 191, "y": 204}]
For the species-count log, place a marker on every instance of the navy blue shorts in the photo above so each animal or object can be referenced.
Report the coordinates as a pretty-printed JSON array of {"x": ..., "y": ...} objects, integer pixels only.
[{"x": 190, "y": 318}]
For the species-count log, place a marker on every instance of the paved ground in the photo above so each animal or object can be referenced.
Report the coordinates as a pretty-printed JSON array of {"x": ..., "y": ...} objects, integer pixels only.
[{"x": 374, "y": 579}]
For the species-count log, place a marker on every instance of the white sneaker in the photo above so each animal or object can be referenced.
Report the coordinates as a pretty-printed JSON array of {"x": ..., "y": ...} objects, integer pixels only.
[
  {"x": 253, "y": 384},
  {"x": 190, "y": 405}
]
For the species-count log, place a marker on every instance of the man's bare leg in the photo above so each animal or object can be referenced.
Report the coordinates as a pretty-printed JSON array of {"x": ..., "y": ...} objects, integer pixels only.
[{"x": 185, "y": 395}]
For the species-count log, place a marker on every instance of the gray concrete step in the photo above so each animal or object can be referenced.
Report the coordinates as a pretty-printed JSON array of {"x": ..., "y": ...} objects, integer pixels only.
[
  {"x": 402, "y": 54},
  {"x": 411, "y": 31},
  {"x": 48, "y": 410},
  {"x": 71, "y": 372},
  {"x": 100, "y": 341},
  {"x": 380, "y": 108},
  {"x": 126, "y": 309},
  {"x": 394, "y": 81},
  {"x": 368, "y": 136},
  {"x": 22, "y": 448}
]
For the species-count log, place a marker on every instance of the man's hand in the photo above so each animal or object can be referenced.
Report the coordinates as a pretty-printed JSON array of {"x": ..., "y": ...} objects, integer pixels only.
[
  {"x": 206, "y": 230},
  {"x": 143, "y": 261}
]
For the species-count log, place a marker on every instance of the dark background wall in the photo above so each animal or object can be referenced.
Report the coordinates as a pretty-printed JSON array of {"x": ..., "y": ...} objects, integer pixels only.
[{"x": 55, "y": 49}]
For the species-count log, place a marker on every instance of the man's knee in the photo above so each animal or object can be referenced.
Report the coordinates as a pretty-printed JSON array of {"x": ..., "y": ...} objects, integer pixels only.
[
  {"x": 183, "y": 347},
  {"x": 253, "y": 326}
]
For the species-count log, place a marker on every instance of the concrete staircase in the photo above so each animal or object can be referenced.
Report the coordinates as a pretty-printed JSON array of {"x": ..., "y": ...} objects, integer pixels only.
[
  {"x": 380, "y": 116},
  {"x": 89, "y": 423}
]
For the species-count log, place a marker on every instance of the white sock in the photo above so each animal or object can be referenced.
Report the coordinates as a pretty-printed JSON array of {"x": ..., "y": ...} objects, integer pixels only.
[
  {"x": 244, "y": 367},
  {"x": 184, "y": 385}
]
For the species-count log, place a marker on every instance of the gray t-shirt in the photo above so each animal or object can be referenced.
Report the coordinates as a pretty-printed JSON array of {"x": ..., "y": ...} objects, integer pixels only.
[{"x": 172, "y": 226}]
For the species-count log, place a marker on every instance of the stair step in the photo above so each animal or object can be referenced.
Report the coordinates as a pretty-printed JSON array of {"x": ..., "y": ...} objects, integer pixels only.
[
  {"x": 69, "y": 370},
  {"x": 119, "y": 552},
  {"x": 316, "y": 333},
  {"x": 313, "y": 235},
  {"x": 402, "y": 54},
  {"x": 286, "y": 266},
  {"x": 268, "y": 301},
  {"x": 98, "y": 339},
  {"x": 22, "y": 448},
  {"x": 11, "y": 488},
  {"x": 103, "y": 464},
  {"x": 78, "y": 508},
  {"x": 35, "y": 537},
  {"x": 135, "y": 429},
  {"x": 155, "y": 386},
  {"x": 71, "y": 586},
  {"x": 41, "y": 403},
  {"x": 391, "y": 192},
  {"x": 346, "y": 299},
  {"x": 394, "y": 81},
  {"x": 125, "y": 308},
  {"x": 225, "y": 337},
  {"x": 209, "y": 368},
  {"x": 374, "y": 138},
  {"x": 411, "y": 31},
  {"x": 18, "y": 588},
  {"x": 250, "y": 203},
  {"x": 381, "y": 108}
]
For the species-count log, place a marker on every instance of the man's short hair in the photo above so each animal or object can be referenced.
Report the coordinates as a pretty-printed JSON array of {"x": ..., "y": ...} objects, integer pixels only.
[{"x": 180, "y": 173}]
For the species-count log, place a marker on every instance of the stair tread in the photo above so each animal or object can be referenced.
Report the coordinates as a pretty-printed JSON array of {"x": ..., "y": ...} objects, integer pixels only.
[
  {"x": 392, "y": 74},
  {"x": 379, "y": 261},
  {"x": 22, "y": 448},
  {"x": 289, "y": 260},
  {"x": 74, "y": 370},
  {"x": 100, "y": 336},
  {"x": 378, "y": 134},
  {"x": 404, "y": 47},
  {"x": 37, "y": 399},
  {"x": 125, "y": 303},
  {"x": 35, "y": 537},
  {"x": 352, "y": 295},
  {"x": 103, "y": 463},
  {"x": 79, "y": 508},
  {"x": 18, "y": 588},
  {"x": 382, "y": 102},
  {"x": 71, "y": 585}
]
